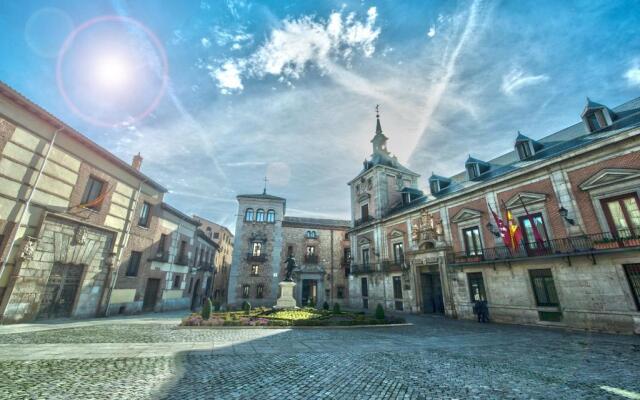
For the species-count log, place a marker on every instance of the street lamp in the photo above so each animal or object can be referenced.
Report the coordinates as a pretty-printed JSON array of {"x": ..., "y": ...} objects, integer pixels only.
[
  {"x": 492, "y": 228},
  {"x": 564, "y": 213}
]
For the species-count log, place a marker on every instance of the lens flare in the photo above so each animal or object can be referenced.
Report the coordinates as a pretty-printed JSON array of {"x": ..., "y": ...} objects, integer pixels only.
[{"x": 112, "y": 72}]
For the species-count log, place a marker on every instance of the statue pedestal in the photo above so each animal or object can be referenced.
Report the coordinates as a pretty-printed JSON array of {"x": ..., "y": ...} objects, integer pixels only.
[{"x": 286, "y": 300}]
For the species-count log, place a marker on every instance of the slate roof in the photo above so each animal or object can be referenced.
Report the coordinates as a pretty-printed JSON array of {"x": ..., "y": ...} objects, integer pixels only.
[
  {"x": 315, "y": 222},
  {"x": 627, "y": 116},
  {"x": 261, "y": 196},
  {"x": 180, "y": 214}
]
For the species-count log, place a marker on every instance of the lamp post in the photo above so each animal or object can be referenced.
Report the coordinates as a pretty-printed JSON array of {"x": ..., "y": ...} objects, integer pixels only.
[{"x": 564, "y": 213}]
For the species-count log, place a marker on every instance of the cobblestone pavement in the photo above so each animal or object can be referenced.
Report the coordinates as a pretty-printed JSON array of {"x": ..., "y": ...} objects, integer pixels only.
[{"x": 437, "y": 358}]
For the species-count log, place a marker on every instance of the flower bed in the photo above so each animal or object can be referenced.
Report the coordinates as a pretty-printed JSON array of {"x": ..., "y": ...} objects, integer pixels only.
[{"x": 298, "y": 317}]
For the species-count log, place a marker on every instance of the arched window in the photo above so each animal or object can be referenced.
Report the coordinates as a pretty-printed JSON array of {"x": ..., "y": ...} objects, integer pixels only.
[
  {"x": 271, "y": 216},
  {"x": 260, "y": 215},
  {"x": 248, "y": 215}
]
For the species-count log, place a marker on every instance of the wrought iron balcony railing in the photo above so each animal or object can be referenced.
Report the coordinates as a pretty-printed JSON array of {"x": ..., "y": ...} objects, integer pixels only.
[
  {"x": 363, "y": 221},
  {"x": 575, "y": 245},
  {"x": 182, "y": 260},
  {"x": 161, "y": 256},
  {"x": 357, "y": 269},
  {"x": 256, "y": 258}
]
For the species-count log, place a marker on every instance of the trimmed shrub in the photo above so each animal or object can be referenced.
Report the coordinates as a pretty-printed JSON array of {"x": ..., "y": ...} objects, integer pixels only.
[
  {"x": 325, "y": 306},
  {"x": 246, "y": 307},
  {"x": 206, "y": 309},
  {"x": 336, "y": 308},
  {"x": 379, "y": 312}
]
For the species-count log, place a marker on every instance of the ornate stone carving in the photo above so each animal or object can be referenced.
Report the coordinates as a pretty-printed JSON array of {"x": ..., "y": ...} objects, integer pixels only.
[
  {"x": 28, "y": 248},
  {"x": 80, "y": 235},
  {"x": 425, "y": 232}
]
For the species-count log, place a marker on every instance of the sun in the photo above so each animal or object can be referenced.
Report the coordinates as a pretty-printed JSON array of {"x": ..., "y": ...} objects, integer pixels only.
[{"x": 112, "y": 72}]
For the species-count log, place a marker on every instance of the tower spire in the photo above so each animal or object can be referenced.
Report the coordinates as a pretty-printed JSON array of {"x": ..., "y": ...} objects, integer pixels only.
[
  {"x": 379, "y": 140},
  {"x": 264, "y": 191},
  {"x": 378, "y": 126}
]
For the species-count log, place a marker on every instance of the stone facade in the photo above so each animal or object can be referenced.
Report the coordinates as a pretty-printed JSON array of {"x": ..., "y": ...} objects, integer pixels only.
[
  {"x": 318, "y": 246},
  {"x": 224, "y": 255},
  {"x": 79, "y": 228},
  {"x": 581, "y": 275}
]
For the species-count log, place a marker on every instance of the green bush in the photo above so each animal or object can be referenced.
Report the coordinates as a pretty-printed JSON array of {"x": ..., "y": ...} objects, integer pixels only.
[
  {"x": 206, "y": 309},
  {"x": 246, "y": 307},
  {"x": 325, "y": 306},
  {"x": 216, "y": 305},
  {"x": 379, "y": 312},
  {"x": 336, "y": 308}
]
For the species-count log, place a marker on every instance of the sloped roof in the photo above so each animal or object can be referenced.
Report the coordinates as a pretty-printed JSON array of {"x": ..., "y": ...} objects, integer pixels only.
[
  {"x": 180, "y": 214},
  {"x": 261, "y": 196},
  {"x": 315, "y": 222},
  {"x": 627, "y": 116}
]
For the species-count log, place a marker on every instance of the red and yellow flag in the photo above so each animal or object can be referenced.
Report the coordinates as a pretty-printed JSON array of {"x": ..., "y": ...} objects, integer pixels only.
[{"x": 515, "y": 233}]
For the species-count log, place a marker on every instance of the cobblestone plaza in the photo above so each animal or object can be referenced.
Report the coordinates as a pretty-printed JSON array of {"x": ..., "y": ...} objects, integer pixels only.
[{"x": 436, "y": 358}]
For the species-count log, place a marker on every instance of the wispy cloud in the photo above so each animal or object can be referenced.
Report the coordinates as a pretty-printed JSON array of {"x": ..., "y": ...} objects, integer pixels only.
[
  {"x": 518, "y": 79},
  {"x": 300, "y": 44},
  {"x": 632, "y": 75}
]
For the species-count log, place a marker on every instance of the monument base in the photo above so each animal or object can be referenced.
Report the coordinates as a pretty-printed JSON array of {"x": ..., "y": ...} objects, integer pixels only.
[{"x": 286, "y": 300}]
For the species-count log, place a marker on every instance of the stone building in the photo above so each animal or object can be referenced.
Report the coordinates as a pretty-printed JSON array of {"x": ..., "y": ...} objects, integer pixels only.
[
  {"x": 579, "y": 267},
  {"x": 222, "y": 263},
  {"x": 265, "y": 237},
  {"x": 78, "y": 226}
]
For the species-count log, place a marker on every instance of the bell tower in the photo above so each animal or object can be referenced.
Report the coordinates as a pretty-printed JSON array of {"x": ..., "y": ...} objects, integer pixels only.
[{"x": 379, "y": 140}]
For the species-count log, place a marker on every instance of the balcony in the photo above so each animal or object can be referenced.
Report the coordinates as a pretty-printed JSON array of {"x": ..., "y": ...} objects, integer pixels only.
[
  {"x": 565, "y": 247},
  {"x": 256, "y": 258},
  {"x": 358, "y": 269},
  {"x": 363, "y": 221},
  {"x": 345, "y": 262},
  {"x": 393, "y": 265},
  {"x": 311, "y": 259}
]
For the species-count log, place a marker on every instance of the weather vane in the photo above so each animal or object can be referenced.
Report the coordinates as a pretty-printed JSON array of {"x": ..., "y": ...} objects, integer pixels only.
[{"x": 377, "y": 110}]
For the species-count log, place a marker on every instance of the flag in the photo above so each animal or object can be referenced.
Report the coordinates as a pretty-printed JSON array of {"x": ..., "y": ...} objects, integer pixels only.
[
  {"x": 536, "y": 233},
  {"x": 515, "y": 233},
  {"x": 97, "y": 201},
  {"x": 502, "y": 228}
]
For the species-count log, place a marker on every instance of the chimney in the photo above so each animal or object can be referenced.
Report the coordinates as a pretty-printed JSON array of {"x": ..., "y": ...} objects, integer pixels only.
[{"x": 137, "y": 162}]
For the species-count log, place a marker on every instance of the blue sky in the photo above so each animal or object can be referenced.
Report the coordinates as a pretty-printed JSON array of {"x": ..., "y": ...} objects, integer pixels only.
[{"x": 288, "y": 89}]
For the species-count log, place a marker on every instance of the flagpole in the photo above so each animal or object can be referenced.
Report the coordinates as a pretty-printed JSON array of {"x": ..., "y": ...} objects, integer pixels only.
[{"x": 534, "y": 228}]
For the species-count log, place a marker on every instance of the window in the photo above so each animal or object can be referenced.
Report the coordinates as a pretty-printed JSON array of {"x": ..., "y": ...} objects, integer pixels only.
[
  {"x": 144, "y": 215},
  {"x": 365, "y": 256},
  {"x": 259, "y": 291},
  {"x": 311, "y": 250},
  {"x": 176, "y": 281},
  {"x": 209, "y": 232},
  {"x": 633, "y": 276},
  {"x": 92, "y": 192},
  {"x": 271, "y": 216},
  {"x": 248, "y": 215},
  {"x": 527, "y": 230},
  {"x": 162, "y": 246},
  {"x": 245, "y": 291},
  {"x": 340, "y": 292},
  {"x": 182, "y": 254},
  {"x": 260, "y": 215},
  {"x": 255, "y": 270},
  {"x": 289, "y": 251},
  {"x": 476, "y": 286},
  {"x": 364, "y": 211},
  {"x": 190, "y": 285},
  {"x": 397, "y": 287},
  {"x": 524, "y": 150},
  {"x": 216, "y": 235},
  {"x": 472, "y": 242},
  {"x": 202, "y": 259},
  {"x": 256, "y": 249},
  {"x": 594, "y": 123},
  {"x": 398, "y": 253},
  {"x": 134, "y": 263},
  {"x": 473, "y": 171},
  {"x": 346, "y": 255},
  {"x": 543, "y": 288},
  {"x": 623, "y": 215},
  {"x": 364, "y": 287}
]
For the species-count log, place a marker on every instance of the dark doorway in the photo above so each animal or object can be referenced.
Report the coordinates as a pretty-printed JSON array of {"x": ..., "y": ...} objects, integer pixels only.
[
  {"x": 309, "y": 291},
  {"x": 195, "y": 296},
  {"x": 364, "y": 288},
  {"x": 60, "y": 291},
  {"x": 150, "y": 294},
  {"x": 397, "y": 293},
  {"x": 432, "y": 302}
]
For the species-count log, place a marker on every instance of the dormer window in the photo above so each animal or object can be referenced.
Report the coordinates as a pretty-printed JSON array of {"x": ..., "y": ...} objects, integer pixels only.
[
  {"x": 526, "y": 147},
  {"x": 476, "y": 167},
  {"x": 438, "y": 183},
  {"x": 597, "y": 116}
]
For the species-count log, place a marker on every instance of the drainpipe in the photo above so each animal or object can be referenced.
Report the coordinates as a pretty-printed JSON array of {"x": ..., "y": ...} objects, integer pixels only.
[
  {"x": 28, "y": 202},
  {"x": 124, "y": 241}
]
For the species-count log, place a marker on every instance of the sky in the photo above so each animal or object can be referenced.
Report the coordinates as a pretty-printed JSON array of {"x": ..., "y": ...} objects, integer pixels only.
[{"x": 216, "y": 95}]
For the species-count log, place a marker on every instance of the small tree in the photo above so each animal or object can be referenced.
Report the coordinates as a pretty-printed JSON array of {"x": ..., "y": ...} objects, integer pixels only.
[
  {"x": 336, "y": 308},
  {"x": 246, "y": 307},
  {"x": 379, "y": 312},
  {"x": 206, "y": 309},
  {"x": 325, "y": 306}
]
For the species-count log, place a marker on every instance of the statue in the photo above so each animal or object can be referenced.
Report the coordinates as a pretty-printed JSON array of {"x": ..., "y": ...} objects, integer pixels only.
[{"x": 291, "y": 265}]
